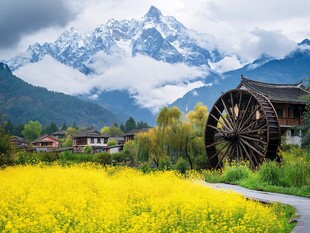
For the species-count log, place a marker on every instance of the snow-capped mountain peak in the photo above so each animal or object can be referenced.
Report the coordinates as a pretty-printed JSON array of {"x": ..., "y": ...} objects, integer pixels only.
[
  {"x": 153, "y": 14},
  {"x": 155, "y": 35}
]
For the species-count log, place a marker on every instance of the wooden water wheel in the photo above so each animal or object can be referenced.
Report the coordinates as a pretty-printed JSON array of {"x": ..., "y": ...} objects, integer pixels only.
[{"x": 242, "y": 125}]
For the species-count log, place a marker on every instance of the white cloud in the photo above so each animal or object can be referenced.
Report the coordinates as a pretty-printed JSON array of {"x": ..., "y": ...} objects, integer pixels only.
[
  {"x": 55, "y": 76},
  {"x": 261, "y": 41},
  {"x": 226, "y": 64},
  {"x": 152, "y": 83}
]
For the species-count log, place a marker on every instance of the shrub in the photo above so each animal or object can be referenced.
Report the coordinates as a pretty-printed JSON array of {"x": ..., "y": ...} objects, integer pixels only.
[
  {"x": 145, "y": 168},
  {"x": 182, "y": 165},
  {"x": 112, "y": 142},
  {"x": 88, "y": 149},
  {"x": 270, "y": 173},
  {"x": 213, "y": 176},
  {"x": 103, "y": 158},
  {"x": 6, "y": 157},
  {"x": 165, "y": 163},
  {"x": 296, "y": 167},
  {"x": 119, "y": 157},
  {"x": 235, "y": 173},
  {"x": 49, "y": 156},
  {"x": 24, "y": 157}
]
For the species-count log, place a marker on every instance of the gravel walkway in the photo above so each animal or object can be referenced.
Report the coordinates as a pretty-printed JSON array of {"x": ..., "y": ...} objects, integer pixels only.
[{"x": 301, "y": 204}]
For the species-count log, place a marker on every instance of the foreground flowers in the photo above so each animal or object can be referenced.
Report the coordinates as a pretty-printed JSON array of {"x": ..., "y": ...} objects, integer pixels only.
[{"x": 86, "y": 198}]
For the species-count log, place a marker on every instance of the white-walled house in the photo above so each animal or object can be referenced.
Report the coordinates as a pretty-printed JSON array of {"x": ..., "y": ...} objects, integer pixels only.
[
  {"x": 94, "y": 139},
  {"x": 89, "y": 138}
]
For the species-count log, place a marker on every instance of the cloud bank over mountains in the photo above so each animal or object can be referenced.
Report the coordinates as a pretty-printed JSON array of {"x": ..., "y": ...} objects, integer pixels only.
[{"x": 152, "y": 83}]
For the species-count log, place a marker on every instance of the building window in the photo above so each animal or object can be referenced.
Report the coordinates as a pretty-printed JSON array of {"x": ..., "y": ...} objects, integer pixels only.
[
  {"x": 279, "y": 112},
  {"x": 105, "y": 140},
  {"x": 92, "y": 140},
  {"x": 296, "y": 112},
  {"x": 98, "y": 140}
]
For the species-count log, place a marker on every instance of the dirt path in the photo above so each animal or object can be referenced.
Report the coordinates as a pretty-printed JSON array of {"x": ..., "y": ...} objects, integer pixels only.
[{"x": 301, "y": 204}]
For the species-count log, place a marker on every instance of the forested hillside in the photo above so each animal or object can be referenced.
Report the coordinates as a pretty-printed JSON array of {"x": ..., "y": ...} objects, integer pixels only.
[{"x": 22, "y": 102}]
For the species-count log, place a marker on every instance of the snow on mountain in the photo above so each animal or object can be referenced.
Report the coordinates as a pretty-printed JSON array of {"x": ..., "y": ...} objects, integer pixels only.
[{"x": 160, "y": 37}]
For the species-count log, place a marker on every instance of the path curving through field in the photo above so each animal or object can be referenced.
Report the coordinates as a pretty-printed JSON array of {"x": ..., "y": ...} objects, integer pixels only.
[{"x": 301, "y": 204}]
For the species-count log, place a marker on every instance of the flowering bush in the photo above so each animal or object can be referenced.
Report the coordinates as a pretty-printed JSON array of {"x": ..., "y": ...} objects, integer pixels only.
[{"x": 89, "y": 198}]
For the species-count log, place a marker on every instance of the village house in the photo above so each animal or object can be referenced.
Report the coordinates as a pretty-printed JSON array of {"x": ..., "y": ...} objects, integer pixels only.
[
  {"x": 287, "y": 102},
  {"x": 59, "y": 134},
  {"x": 99, "y": 142},
  {"x": 130, "y": 135},
  {"x": 45, "y": 143},
  {"x": 19, "y": 142}
]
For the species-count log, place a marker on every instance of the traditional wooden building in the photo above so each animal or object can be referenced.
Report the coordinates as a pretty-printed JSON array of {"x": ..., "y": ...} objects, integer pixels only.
[
  {"x": 45, "y": 143},
  {"x": 246, "y": 123},
  {"x": 287, "y": 101},
  {"x": 90, "y": 138},
  {"x": 130, "y": 135},
  {"x": 59, "y": 134},
  {"x": 19, "y": 142}
]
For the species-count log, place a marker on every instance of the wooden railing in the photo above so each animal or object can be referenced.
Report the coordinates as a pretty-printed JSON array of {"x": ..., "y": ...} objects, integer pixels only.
[{"x": 290, "y": 121}]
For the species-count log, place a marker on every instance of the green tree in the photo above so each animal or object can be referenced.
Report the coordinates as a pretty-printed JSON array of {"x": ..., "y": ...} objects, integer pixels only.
[
  {"x": 122, "y": 127},
  {"x": 130, "y": 124},
  {"x": 50, "y": 129},
  {"x": 5, "y": 145},
  {"x": 72, "y": 131},
  {"x": 67, "y": 143},
  {"x": 198, "y": 118},
  {"x": 9, "y": 128},
  {"x": 142, "y": 125},
  {"x": 105, "y": 130},
  {"x": 112, "y": 142},
  {"x": 64, "y": 127},
  {"x": 305, "y": 129},
  {"x": 32, "y": 130},
  {"x": 116, "y": 131},
  {"x": 75, "y": 126},
  {"x": 18, "y": 129}
]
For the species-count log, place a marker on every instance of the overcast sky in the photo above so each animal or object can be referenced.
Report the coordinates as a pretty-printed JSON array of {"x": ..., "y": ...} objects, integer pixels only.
[{"x": 246, "y": 28}]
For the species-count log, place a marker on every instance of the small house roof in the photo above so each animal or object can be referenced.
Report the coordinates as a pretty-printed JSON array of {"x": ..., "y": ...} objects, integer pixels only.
[
  {"x": 135, "y": 131},
  {"x": 90, "y": 134},
  {"x": 281, "y": 93},
  {"x": 60, "y": 132},
  {"x": 44, "y": 138}
]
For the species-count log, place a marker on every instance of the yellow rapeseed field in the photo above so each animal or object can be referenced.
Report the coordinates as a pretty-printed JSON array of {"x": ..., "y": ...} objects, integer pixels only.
[{"x": 89, "y": 198}]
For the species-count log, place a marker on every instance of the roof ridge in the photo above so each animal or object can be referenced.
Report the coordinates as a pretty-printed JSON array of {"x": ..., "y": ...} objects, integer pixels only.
[{"x": 276, "y": 85}]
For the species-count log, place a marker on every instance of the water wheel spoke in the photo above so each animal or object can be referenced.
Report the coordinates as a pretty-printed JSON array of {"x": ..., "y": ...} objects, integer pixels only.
[
  {"x": 254, "y": 131},
  {"x": 219, "y": 151},
  {"x": 216, "y": 143},
  {"x": 246, "y": 109},
  {"x": 256, "y": 124},
  {"x": 224, "y": 155},
  {"x": 213, "y": 127},
  {"x": 250, "y": 138},
  {"x": 239, "y": 108},
  {"x": 228, "y": 114},
  {"x": 247, "y": 154},
  {"x": 249, "y": 118},
  {"x": 252, "y": 147},
  {"x": 224, "y": 119},
  {"x": 233, "y": 111}
]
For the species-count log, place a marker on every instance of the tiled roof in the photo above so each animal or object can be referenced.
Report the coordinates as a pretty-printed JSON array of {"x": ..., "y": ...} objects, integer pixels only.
[
  {"x": 41, "y": 139},
  {"x": 90, "y": 134},
  {"x": 282, "y": 93},
  {"x": 135, "y": 131}
]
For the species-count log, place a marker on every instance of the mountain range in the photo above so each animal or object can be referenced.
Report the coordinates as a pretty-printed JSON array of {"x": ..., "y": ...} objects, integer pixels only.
[{"x": 163, "y": 39}]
